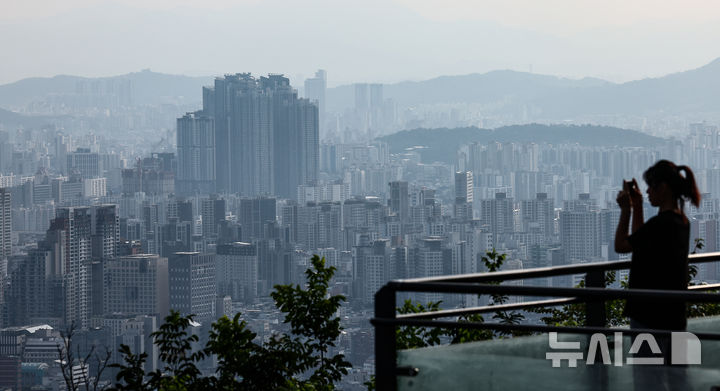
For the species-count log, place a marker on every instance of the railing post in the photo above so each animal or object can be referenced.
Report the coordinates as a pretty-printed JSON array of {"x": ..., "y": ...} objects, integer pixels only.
[
  {"x": 595, "y": 310},
  {"x": 385, "y": 343}
]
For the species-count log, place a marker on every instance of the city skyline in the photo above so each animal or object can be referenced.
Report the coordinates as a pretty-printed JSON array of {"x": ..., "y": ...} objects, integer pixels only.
[{"x": 272, "y": 162}]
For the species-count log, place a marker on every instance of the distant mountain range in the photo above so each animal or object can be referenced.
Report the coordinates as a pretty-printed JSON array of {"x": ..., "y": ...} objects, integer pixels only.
[
  {"x": 441, "y": 145},
  {"x": 474, "y": 88},
  {"x": 545, "y": 97},
  {"x": 552, "y": 97},
  {"x": 149, "y": 88}
]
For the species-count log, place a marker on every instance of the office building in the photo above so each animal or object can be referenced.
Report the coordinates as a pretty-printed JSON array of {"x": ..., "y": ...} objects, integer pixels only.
[
  {"x": 237, "y": 271},
  {"x": 85, "y": 163},
  {"x": 254, "y": 215},
  {"x": 137, "y": 284},
  {"x": 192, "y": 283}
]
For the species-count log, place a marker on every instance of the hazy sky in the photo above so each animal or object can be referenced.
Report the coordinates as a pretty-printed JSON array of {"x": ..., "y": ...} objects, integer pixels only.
[{"x": 370, "y": 40}]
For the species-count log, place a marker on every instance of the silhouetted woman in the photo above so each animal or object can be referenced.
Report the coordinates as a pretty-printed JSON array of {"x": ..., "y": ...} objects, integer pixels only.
[
  {"x": 659, "y": 261},
  {"x": 659, "y": 246}
]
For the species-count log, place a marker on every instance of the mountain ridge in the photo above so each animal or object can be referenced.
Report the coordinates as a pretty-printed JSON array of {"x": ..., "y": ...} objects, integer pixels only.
[
  {"x": 550, "y": 98},
  {"x": 442, "y": 144},
  {"x": 150, "y": 87}
]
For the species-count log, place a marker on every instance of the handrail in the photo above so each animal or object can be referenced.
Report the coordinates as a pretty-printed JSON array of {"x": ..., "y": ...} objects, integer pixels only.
[
  {"x": 594, "y": 294},
  {"x": 588, "y": 292},
  {"x": 550, "y": 271}
]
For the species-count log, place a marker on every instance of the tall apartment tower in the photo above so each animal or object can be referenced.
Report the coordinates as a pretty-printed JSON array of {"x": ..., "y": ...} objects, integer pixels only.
[
  {"x": 36, "y": 292},
  {"x": 399, "y": 199},
  {"x": 193, "y": 284},
  {"x": 77, "y": 237},
  {"x": 72, "y": 229},
  {"x": 432, "y": 259},
  {"x": 5, "y": 224},
  {"x": 362, "y": 101},
  {"x": 463, "y": 195},
  {"x": 267, "y": 140},
  {"x": 375, "y": 266},
  {"x": 296, "y": 137},
  {"x": 498, "y": 214},
  {"x": 537, "y": 216},
  {"x": 243, "y": 135},
  {"x": 315, "y": 89},
  {"x": 105, "y": 231},
  {"x": 212, "y": 211},
  {"x": 580, "y": 230},
  {"x": 196, "y": 154}
]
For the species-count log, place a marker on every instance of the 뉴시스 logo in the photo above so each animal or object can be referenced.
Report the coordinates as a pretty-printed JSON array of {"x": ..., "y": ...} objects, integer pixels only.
[{"x": 685, "y": 350}]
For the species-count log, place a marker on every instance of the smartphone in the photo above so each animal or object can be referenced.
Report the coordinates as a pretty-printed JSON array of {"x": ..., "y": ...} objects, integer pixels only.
[{"x": 629, "y": 186}]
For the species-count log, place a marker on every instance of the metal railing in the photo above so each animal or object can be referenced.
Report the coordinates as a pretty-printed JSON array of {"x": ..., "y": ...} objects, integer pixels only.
[{"x": 594, "y": 294}]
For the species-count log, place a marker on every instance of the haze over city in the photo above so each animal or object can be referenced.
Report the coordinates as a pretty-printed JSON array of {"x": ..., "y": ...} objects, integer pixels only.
[
  {"x": 281, "y": 180},
  {"x": 371, "y": 41}
]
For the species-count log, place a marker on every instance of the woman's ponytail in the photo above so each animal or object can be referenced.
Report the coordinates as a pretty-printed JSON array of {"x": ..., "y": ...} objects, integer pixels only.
[{"x": 690, "y": 189}]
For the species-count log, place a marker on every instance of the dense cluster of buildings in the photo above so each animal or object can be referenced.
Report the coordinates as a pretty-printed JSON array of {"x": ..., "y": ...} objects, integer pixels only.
[{"x": 108, "y": 242}]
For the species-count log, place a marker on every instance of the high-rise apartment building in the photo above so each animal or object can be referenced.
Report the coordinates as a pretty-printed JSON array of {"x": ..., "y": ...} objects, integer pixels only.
[
  {"x": 432, "y": 259},
  {"x": 77, "y": 236},
  {"x": 375, "y": 266},
  {"x": 580, "y": 230},
  {"x": 152, "y": 175},
  {"x": 319, "y": 225},
  {"x": 37, "y": 288},
  {"x": 498, "y": 214},
  {"x": 72, "y": 231},
  {"x": 265, "y": 136},
  {"x": 296, "y": 139},
  {"x": 463, "y": 195},
  {"x": 196, "y": 154},
  {"x": 212, "y": 211},
  {"x": 243, "y": 135},
  {"x": 315, "y": 89},
  {"x": 537, "y": 216},
  {"x": 105, "y": 231},
  {"x": 5, "y": 223},
  {"x": 399, "y": 200}
]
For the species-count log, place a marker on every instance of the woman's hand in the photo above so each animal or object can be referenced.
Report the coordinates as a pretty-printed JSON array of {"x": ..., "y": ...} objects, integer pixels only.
[
  {"x": 623, "y": 199},
  {"x": 636, "y": 197}
]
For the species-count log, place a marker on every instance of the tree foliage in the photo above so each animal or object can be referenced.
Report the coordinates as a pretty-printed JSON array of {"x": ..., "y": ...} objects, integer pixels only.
[
  {"x": 300, "y": 360},
  {"x": 69, "y": 356},
  {"x": 409, "y": 337}
]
